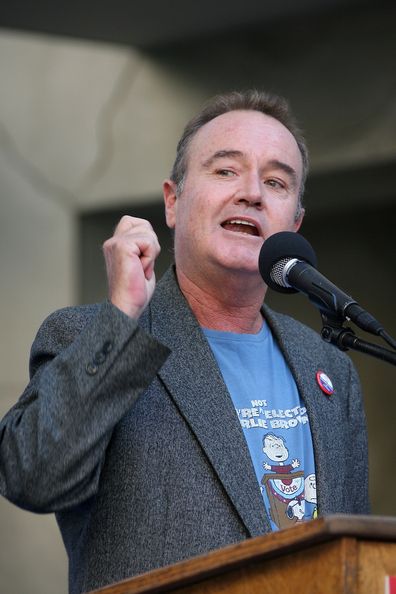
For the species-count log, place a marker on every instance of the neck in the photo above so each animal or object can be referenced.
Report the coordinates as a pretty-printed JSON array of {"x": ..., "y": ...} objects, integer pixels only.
[{"x": 234, "y": 308}]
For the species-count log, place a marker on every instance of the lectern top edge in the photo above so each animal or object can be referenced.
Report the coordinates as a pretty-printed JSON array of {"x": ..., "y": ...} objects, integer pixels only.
[{"x": 299, "y": 537}]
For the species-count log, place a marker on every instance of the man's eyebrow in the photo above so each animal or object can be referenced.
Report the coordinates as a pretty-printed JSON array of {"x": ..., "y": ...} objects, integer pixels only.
[
  {"x": 276, "y": 164},
  {"x": 231, "y": 153},
  {"x": 236, "y": 154}
]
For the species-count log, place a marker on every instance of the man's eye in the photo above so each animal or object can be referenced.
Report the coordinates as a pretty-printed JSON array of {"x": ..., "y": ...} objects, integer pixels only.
[
  {"x": 274, "y": 183},
  {"x": 225, "y": 172}
]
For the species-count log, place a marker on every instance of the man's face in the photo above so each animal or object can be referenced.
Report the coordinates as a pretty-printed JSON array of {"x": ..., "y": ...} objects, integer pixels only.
[
  {"x": 241, "y": 186},
  {"x": 275, "y": 449}
]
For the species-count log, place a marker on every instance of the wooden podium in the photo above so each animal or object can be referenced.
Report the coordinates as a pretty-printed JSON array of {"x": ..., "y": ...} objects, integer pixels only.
[{"x": 333, "y": 555}]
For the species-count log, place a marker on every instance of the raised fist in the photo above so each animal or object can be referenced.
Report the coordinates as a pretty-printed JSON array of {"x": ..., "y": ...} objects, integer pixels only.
[{"x": 130, "y": 256}]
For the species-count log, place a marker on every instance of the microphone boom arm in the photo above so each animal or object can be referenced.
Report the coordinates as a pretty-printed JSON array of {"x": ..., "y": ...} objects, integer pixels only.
[{"x": 344, "y": 338}]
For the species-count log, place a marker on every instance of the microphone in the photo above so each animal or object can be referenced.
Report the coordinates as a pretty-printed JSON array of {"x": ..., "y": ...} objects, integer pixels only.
[{"x": 287, "y": 263}]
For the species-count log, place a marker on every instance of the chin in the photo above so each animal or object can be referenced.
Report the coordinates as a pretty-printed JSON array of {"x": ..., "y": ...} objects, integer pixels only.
[
  {"x": 243, "y": 267},
  {"x": 244, "y": 260}
]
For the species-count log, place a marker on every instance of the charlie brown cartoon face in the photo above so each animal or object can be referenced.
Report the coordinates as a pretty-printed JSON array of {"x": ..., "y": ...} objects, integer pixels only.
[
  {"x": 310, "y": 488},
  {"x": 274, "y": 447}
]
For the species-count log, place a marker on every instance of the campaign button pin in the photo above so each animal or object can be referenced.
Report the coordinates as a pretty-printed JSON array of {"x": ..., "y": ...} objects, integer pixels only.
[{"x": 325, "y": 383}]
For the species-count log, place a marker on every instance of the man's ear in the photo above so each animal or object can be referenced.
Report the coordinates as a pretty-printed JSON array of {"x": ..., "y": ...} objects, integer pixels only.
[
  {"x": 298, "y": 221},
  {"x": 169, "y": 192}
]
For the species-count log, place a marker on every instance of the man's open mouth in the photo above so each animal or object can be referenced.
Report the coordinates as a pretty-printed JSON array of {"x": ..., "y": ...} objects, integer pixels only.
[{"x": 241, "y": 226}]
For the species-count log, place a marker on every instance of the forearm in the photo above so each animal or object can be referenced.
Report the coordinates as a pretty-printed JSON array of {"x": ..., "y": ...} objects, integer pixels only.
[{"x": 54, "y": 440}]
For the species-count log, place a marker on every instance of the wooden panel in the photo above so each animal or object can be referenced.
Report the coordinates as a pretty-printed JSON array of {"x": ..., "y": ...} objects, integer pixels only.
[
  {"x": 376, "y": 560},
  {"x": 327, "y": 569}
]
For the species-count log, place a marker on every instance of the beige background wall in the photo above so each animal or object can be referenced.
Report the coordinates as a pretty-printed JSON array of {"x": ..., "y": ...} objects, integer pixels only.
[{"x": 85, "y": 126}]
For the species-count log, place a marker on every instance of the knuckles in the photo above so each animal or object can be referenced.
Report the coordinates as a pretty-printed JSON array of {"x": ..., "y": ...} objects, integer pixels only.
[
  {"x": 128, "y": 223},
  {"x": 132, "y": 236}
]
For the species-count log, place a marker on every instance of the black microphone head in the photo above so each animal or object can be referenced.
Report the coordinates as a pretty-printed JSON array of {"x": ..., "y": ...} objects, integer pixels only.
[{"x": 277, "y": 251}]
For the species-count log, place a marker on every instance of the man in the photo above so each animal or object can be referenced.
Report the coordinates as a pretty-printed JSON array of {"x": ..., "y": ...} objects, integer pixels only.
[{"x": 129, "y": 427}]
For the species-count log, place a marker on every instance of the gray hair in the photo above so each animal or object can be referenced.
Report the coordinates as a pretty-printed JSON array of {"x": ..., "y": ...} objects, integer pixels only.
[{"x": 272, "y": 105}]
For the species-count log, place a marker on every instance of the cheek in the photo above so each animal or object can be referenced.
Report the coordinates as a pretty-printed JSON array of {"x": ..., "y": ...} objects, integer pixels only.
[
  {"x": 191, "y": 213},
  {"x": 286, "y": 217},
  {"x": 187, "y": 226}
]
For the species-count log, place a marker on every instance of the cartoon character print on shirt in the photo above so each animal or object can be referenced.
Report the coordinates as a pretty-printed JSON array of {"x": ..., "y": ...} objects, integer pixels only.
[
  {"x": 310, "y": 494},
  {"x": 284, "y": 485}
]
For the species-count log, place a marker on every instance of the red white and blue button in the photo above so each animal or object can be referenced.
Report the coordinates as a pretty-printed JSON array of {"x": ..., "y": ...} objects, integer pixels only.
[{"x": 325, "y": 383}]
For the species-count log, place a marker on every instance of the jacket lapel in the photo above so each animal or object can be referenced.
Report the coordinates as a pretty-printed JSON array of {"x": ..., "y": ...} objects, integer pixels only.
[
  {"x": 325, "y": 414},
  {"x": 193, "y": 379}
]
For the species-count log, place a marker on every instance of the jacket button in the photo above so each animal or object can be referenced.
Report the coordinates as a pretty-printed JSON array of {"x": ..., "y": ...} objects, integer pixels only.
[
  {"x": 107, "y": 347},
  {"x": 91, "y": 369},
  {"x": 99, "y": 358}
]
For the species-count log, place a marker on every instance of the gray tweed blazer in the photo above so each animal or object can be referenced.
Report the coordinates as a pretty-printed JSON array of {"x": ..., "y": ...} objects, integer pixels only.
[{"x": 127, "y": 432}]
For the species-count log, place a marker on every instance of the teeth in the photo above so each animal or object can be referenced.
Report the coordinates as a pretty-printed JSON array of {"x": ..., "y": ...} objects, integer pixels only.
[{"x": 240, "y": 222}]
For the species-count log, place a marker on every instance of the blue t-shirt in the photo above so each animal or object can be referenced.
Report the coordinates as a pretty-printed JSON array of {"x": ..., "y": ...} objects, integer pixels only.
[{"x": 273, "y": 419}]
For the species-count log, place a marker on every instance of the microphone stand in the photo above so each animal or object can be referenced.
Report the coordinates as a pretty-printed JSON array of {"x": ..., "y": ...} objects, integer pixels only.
[{"x": 334, "y": 332}]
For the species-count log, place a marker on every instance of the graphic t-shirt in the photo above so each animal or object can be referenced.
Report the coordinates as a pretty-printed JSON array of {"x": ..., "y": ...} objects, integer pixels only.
[{"x": 274, "y": 422}]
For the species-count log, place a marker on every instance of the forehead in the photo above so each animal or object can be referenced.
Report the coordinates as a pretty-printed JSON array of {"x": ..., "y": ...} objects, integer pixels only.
[
  {"x": 253, "y": 133},
  {"x": 272, "y": 440}
]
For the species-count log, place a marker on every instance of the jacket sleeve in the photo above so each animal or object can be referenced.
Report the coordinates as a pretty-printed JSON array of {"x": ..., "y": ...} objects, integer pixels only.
[{"x": 85, "y": 375}]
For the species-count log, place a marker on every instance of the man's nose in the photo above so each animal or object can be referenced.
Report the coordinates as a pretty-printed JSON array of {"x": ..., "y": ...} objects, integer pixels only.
[{"x": 251, "y": 191}]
